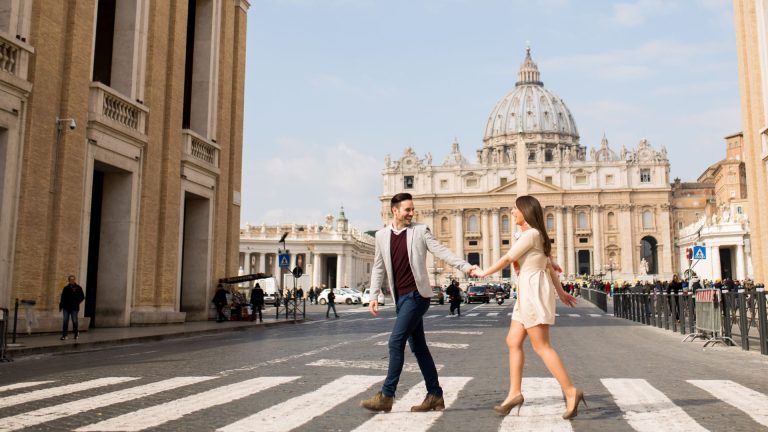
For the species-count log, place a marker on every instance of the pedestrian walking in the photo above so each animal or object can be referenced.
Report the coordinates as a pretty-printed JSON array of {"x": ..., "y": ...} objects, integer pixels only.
[
  {"x": 401, "y": 257},
  {"x": 220, "y": 301},
  {"x": 331, "y": 304},
  {"x": 534, "y": 311},
  {"x": 257, "y": 302},
  {"x": 311, "y": 295},
  {"x": 69, "y": 304},
  {"x": 454, "y": 297}
]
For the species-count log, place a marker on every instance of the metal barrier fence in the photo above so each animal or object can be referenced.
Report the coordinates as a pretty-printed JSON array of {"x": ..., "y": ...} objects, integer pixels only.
[
  {"x": 4, "y": 317},
  {"x": 596, "y": 297},
  {"x": 722, "y": 316},
  {"x": 290, "y": 307}
]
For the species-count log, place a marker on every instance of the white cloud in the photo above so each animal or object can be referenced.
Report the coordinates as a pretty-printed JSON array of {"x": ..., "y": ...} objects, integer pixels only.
[{"x": 308, "y": 181}]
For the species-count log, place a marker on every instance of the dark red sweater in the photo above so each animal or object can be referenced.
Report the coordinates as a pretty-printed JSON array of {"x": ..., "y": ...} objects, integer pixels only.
[{"x": 401, "y": 265}]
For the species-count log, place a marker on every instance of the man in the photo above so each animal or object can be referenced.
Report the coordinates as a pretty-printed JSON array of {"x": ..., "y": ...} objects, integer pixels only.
[
  {"x": 454, "y": 296},
  {"x": 331, "y": 304},
  {"x": 71, "y": 297},
  {"x": 220, "y": 301},
  {"x": 257, "y": 302},
  {"x": 401, "y": 256}
]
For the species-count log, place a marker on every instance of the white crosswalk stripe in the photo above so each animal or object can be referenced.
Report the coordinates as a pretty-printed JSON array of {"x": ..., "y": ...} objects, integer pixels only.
[
  {"x": 61, "y": 390},
  {"x": 23, "y": 385},
  {"x": 574, "y": 315},
  {"x": 401, "y": 419},
  {"x": 472, "y": 314},
  {"x": 596, "y": 315},
  {"x": 51, "y": 413},
  {"x": 284, "y": 416},
  {"x": 647, "y": 409},
  {"x": 751, "y": 402},
  {"x": 366, "y": 364},
  {"x": 176, "y": 409},
  {"x": 492, "y": 314},
  {"x": 542, "y": 409}
]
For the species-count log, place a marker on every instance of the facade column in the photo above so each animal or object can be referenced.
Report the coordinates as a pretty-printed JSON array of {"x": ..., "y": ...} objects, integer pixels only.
[
  {"x": 429, "y": 216},
  {"x": 741, "y": 272},
  {"x": 277, "y": 273},
  {"x": 350, "y": 279},
  {"x": 339, "y": 270},
  {"x": 495, "y": 238},
  {"x": 262, "y": 265},
  {"x": 560, "y": 236},
  {"x": 715, "y": 263},
  {"x": 666, "y": 238},
  {"x": 597, "y": 239},
  {"x": 247, "y": 263},
  {"x": 486, "y": 238},
  {"x": 316, "y": 263},
  {"x": 569, "y": 238},
  {"x": 458, "y": 237},
  {"x": 627, "y": 251}
]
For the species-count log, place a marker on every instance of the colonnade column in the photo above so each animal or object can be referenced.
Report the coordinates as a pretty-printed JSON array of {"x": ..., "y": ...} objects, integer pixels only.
[
  {"x": 597, "y": 239},
  {"x": 277, "y": 273},
  {"x": 569, "y": 238},
  {"x": 715, "y": 263},
  {"x": 262, "y": 263},
  {"x": 339, "y": 270},
  {"x": 741, "y": 272},
  {"x": 666, "y": 238},
  {"x": 495, "y": 238},
  {"x": 316, "y": 263},
  {"x": 486, "y": 239},
  {"x": 350, "y": 279},
  {"x": 560, "y": 236},
  {"x": 429, "y": 216},
  {"x": 627, "y": 251},
  {"x": 458, "y": 236}
]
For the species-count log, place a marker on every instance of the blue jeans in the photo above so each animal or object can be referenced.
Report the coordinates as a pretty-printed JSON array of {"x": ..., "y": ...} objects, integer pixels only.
[
  {"x": 331, "y": 305},
  {"x": 67, "y": 315},
  {"x": 409, "y": 326}
]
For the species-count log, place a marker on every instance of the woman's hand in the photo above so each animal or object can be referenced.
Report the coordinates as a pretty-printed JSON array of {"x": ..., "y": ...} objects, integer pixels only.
[{"x": 566, "y": 298}]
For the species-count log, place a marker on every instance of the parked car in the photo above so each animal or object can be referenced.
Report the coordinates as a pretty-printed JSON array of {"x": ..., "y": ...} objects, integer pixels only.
[
  {"x": 477, "y": 294},
  {"x": 341, "y": 297},
  {"x": 437, "y": 295},
  {"x": 366, "y": 297}
]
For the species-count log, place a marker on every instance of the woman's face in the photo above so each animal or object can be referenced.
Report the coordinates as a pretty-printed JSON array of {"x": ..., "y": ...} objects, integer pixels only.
[{"x": 518, "y": 215}]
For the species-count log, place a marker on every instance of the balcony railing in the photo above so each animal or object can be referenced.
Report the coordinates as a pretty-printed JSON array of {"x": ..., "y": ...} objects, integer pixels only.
[
  {"x": 200, "y": 149},
  {"x": 14, "y": 56},
  {"x": 109, "y": 106}
]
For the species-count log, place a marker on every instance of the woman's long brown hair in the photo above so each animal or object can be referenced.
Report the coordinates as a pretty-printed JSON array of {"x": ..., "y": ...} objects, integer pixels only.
[{"x": 534, "y": 215}]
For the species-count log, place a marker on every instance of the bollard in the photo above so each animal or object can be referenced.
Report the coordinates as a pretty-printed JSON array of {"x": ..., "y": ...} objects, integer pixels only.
[
  {"x": 665, "y": 300},
  {"x": 763, "y": 320}
]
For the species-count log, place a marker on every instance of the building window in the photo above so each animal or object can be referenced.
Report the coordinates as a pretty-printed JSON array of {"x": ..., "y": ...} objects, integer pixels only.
[
  {"x": 645, "y": 175},
  {"x": 368, "y": 267},
  {"x": 583, "y": 240},
  {"x": 611, "y": 221},
  {"x": 647, "y": 220},
  {"x": 502, "y": 181},
  {"x": 472, "y": 182},
  {"x": 581, "y": 222},
  {"x": 531, "y": 156},
  {"x": 739, "y": 210},
  {"x": 505, "y": 224},
  {"x": 550, "y": 222},
  {"x": 472, "y": 224},
  {"x": 505, "y": 242},
  {"x": 443, "y": 184},
  {"x": 548, "y": 155},
  {"x": 199, "y": 69},
  {"x": 581, "y": 179},
  {"x": 548, "y": 179},
  {"x": 609, "y": 179},
  {"x": 473, "y": 242},
  {"x": 444, "y": 225},
  {"x": 680, "y": 225},
  {"x": 408, "y": 182}
]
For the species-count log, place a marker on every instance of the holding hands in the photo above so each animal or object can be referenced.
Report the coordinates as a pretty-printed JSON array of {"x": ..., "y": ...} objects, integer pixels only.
[{"x": 476, "y": 272}]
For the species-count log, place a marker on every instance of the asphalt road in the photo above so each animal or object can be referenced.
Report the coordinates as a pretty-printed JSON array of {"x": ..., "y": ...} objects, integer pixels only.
[{"x": 311, "y": 376}]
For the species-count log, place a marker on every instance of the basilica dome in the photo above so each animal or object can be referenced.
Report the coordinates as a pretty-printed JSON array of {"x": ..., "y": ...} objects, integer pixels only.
[{"x": 530, "y": 108}]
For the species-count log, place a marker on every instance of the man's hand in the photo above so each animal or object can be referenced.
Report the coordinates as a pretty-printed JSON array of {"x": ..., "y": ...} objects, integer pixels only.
[
  {"x": 373, "y": 307},
  {"x": 476, "y": 271}
]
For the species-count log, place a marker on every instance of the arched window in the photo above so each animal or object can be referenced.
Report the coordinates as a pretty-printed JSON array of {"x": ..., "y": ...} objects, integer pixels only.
[
  {"x": 648, "y": 253},
  {"x": 444, "y": 225},
  {"x": 472, "y": 224},
  {"x": 505, "y": 224},
  {"x": 582, "y": 221},
  {"x": 550, "y": 222},
  {"x": 612, "y": 221},
  {"x": 647, "y": 220}
]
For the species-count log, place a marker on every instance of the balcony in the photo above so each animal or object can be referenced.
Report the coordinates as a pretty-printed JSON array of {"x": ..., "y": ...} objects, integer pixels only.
[
  {"x": 14, "y": 61},
  {"x": 200, "y": 151},
  {"x": 115, "y": 111}
]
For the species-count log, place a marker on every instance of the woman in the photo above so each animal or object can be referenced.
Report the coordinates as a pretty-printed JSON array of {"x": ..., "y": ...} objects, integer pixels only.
[{"x": 534, "y": 310}]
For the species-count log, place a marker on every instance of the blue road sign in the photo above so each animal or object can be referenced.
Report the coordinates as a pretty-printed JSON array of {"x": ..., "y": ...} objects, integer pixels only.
[
  {"x": 284, "y": 260},
  {"x": 699, "y": 252}
]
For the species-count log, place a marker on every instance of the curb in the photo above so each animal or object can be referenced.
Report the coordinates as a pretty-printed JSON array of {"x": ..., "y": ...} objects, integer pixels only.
[{"x": 14, "y": 352}]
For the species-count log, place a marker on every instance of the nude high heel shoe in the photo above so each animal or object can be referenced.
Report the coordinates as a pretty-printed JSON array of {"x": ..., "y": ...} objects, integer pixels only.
[
  {"x": 504, "y": 409},
  {"x": 573, "y": 411}
]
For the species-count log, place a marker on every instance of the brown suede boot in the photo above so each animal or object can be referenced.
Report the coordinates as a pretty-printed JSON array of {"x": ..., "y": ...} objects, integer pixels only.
[
  {"x": 431, "y": 402},
  {"x": 378, "y": 403}
]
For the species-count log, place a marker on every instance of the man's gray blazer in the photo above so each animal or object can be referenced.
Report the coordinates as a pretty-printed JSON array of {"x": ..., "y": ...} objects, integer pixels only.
[{"x": 420, "y": 240}]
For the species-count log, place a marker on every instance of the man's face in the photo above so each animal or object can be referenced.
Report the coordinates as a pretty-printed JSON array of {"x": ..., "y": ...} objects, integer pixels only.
[
  {"x": 403, "y": 212},
  {"x": 71, "y": 279}
]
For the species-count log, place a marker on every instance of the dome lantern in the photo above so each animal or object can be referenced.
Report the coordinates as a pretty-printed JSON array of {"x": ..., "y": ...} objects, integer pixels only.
[{"x": 529, "y": 72}]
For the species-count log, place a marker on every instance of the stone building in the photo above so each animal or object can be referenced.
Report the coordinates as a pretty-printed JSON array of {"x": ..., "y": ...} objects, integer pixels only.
[
  {"x": 608, "y": 212},
  {"x": 751, "y": 23},
  {"x": 120, "y": 155},
  {"x": 334, "y": 254}
]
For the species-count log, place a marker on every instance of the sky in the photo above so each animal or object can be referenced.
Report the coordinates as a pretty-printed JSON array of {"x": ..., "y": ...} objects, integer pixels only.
[{"x": 333, "y": 86}]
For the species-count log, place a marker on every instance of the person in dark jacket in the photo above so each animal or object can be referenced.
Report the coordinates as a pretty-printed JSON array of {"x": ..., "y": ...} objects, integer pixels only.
[
  {"x": 220, "y": 300},
  {"x": 454, "y": 296},
  {"x": 257, "y": 302},
  {"x": 71, "y": 297},
  {"x": 331, "y": 304}
]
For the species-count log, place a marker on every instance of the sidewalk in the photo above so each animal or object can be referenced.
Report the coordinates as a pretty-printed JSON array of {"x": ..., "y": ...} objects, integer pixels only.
[{"x": 104, "y": 337}]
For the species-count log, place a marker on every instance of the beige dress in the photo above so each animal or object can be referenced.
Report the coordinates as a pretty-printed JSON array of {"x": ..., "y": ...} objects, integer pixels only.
[{"x": 535, "y": 290}]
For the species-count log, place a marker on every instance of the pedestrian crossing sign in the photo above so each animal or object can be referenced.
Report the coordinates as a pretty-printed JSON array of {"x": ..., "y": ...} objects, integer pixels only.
[
  {"x": 699, "y": 252},
  {"x": 284, "y": 260}
]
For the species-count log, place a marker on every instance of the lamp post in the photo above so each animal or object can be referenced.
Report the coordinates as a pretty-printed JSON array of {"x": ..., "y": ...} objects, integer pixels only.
[{"x": 610, "y": 269}]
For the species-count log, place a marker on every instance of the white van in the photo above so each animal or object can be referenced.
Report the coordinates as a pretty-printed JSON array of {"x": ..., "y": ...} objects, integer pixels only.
[{"x": 269, "y": 285}]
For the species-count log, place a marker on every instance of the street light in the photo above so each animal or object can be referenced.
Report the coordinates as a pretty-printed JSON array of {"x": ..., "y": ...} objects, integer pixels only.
[{"x": 610, "y": 269}]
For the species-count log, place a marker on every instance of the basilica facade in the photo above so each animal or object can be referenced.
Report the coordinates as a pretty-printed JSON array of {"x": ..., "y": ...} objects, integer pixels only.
[{"x": 608, "y": 212}]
